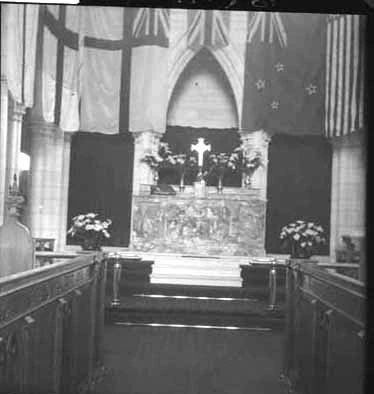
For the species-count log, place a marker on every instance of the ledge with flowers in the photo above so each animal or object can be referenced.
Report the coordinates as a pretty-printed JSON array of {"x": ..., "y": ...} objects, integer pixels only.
[{"x": 217, "y": 165}]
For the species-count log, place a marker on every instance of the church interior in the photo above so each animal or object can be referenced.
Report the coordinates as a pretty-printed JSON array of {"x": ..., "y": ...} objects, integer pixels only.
[{"x": 182, "y": 201}]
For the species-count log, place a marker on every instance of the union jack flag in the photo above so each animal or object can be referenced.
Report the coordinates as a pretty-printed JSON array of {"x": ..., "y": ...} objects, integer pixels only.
[
  {"x": 267, "y": 26},
  {"x": 208, "y": 28},
  {"x": 151, "y": 27}
]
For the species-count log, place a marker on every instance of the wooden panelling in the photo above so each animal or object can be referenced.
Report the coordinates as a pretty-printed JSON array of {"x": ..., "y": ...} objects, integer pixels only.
[
  {"x": 51, "y": 327},
  {"x": 325, "y": 330}
]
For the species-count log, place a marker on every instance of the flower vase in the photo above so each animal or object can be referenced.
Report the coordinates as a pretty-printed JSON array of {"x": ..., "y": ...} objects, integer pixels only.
[
  {"x": 246, "y": 181},
  {"x": 90, "y": 245},
  {"x": 299, "y": 253},
  {"x": 181, "y": 183},
  {"x": 220, "y": 185}
]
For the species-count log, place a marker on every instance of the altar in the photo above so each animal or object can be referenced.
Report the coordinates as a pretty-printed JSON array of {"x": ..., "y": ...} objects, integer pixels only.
[{"x": 231, "y": 223}]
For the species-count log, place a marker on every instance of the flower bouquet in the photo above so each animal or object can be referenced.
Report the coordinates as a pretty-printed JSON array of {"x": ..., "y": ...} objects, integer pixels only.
[
  {"x": 183, "y": 164},
  {"x": 160, "y": 160},
  {"x": 219, "y": 164},
  {"x": 302, "y": 239},
  {"x": 246, "y": 164},
  {"x": 89, "y": 230}
]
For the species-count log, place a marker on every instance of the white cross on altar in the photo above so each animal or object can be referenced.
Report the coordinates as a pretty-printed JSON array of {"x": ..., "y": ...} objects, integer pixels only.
[{"x": 200, "y": 148}]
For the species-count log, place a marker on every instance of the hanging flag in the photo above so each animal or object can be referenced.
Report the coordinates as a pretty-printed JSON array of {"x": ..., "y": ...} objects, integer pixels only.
[
  {"x": 60, "y": 59},
  {"x": 101, "y": 69},
  {"x": 345, "y": 74},
  {"x": 149, "y": 70},
  {"x": 207, "y": 28},
  {"x": 19, "y": 25},
  {"x": 284, "y": 82},
  {"x": 151, "y": 27}
]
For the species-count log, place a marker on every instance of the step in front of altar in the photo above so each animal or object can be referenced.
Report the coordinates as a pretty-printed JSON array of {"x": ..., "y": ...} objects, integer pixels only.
[{"x": 199, "y": 271}]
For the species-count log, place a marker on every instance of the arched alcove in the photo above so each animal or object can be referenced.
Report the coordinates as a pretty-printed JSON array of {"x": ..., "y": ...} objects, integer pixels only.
[{"x": 203, "y": 97}]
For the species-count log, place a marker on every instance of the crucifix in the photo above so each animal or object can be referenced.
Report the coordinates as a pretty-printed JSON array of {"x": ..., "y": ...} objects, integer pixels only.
[{"x": 200, "y": 148}]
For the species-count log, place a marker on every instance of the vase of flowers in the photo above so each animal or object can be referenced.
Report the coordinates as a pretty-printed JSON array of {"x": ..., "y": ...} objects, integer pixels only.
[
  {"x": 159, "y": 160},
  {"x": 302, "y": 239},
  {"x": 247, "y": 164},
  {"x": 89, "y": 230},
  {"x": 219, "y": 164},
  {"x": 183, "y": 164}
]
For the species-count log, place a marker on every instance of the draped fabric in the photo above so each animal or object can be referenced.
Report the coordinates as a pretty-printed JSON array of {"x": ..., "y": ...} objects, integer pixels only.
[
  {"x": 105, "y": 69},
  {"x": 284, "y": 73},
  {"x": 207, "y": 28},
  {"x": 345, "y": 84},
  {"x": 100, "y": 180},
  {"x": 19, "y": 24},
  {"x": 149, "y": 70},
  {"x": 60, "y": 71},
  {"x": 298, "y": 185},
  {"x": 101, "y": 69}
]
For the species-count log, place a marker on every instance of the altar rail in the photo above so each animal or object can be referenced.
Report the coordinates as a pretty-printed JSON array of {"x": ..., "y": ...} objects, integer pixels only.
[
  {"x": 325, "y": 331},
  {"x": 51, "y": 327}
]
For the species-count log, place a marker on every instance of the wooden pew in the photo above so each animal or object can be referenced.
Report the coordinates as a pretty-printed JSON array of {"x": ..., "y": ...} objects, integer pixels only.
[
  {"x": 16, "y": 248},
  {"x": 325, "y": 331},
  {"x": 51, "y": 327}
]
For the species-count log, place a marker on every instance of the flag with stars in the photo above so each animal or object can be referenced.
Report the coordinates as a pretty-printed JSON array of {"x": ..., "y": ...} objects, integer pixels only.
[{"x": 284, "y": 73}]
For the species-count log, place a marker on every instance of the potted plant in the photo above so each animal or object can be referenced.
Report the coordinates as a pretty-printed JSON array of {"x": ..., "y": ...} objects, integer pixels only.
[
  {"x": 89, "y": 230},
  {"x": 302, "y": 239}
]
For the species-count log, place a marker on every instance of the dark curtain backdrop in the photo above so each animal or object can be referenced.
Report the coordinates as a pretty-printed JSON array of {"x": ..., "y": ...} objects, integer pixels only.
[
  {"x": 101, "y": 170},
  {"x": 221, "y": 140},
  {"x": 299, "y": 184}
]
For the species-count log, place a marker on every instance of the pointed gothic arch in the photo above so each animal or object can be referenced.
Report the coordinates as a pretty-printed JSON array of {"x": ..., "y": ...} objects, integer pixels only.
[{"x": 224, "y": 57}]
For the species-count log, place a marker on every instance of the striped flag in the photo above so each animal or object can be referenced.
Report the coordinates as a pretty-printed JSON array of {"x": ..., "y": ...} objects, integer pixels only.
[
  {"x": 345, "y": 86},
  {"x": 284, "y": 76},
  {"x": 207, "y": 28}
]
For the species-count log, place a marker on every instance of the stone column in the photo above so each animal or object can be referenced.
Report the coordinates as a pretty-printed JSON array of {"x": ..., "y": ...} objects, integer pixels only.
[
  {"x": 16, "y": 113},
  {"x": 46, "y": 180},
  {"x": 61, "y": 240},
  {"x": 257, "y": 141},
  {"x": 348, "y": 188},
  {"x": 3, "y": 145},
  {"x": 145, "y": 143}
]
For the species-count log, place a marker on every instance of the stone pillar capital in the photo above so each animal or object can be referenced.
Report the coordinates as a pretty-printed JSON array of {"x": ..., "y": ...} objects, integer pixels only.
[
  {"x": 18, "y": 110},
  {"x": 39, "y": 127},
  {"x": 351, "y": 140},
  {"x": 68, "y": 137},
  {"x": 255, "y": 137}
]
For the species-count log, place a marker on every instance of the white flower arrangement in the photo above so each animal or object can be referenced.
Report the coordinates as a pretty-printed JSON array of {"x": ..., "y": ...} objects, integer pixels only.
[
  {"x": 302, "y": 239},
  {"x": 89, "y": 230}
]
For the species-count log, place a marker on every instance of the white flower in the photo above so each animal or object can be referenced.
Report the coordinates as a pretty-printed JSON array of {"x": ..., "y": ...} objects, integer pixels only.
[
  {"x": 296, "y": 237},
  {"x": 80, "y": 217},
  {"x": 303, "y": 244},
  {"x": 89, "y": 227},
  {"x": 91, "y": 215},
  {"x": 98, "y": 227}
]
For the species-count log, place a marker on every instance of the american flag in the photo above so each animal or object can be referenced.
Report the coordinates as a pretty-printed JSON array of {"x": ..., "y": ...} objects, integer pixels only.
[
  {"x": 344, "y": 102},
  {"x": 284, "y": 76},
  {"x": 207, "y": 28},
  {"x": 151, "y": 27}
]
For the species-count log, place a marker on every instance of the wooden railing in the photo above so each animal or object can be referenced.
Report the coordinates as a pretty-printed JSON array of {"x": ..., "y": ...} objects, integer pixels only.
[
  {"x": 325, "y": 332},
  {"x": 51, "y": 327}
]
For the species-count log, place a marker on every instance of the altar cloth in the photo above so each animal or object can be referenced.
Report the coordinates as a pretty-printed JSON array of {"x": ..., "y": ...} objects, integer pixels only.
[{"x": 219, "y": 224}]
